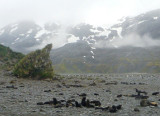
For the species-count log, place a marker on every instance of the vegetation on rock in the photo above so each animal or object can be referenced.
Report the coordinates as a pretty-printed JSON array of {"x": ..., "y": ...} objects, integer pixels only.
[
  {"x": 8, "y": 58},
  {"x": 35, "y": 65}
]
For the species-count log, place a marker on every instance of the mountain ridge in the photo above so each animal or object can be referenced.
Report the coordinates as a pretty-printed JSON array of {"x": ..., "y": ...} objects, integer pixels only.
[{"x": 86, "y": 48}]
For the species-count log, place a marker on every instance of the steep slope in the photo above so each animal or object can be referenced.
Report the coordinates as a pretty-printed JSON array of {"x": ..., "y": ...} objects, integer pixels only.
[{"x": 77, "y": 58}]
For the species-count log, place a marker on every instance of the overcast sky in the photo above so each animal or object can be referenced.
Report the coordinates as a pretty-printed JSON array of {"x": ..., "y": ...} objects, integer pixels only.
[{"x": 97, "y": 12}]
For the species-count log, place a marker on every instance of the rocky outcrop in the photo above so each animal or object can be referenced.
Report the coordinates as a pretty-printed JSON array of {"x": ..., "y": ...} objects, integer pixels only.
[{"x": 35, "y": 65}]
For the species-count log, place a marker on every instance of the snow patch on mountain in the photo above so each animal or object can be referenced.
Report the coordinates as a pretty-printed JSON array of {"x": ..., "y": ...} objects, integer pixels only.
[
  {"x": 37, "y": 39},
  {"x": 2, "y": 31},
  {"x": 21, "y": 34},
  {"x": 72, "y": 39},
  {"x": 93, "y": 48},
  {"x": 30, "y": 31},
  {"x": 94, "y": 31},
  {"x": 16, "y": 39},
  {"x": 141, "y": 21},
  {"x": 104, "y": 33},
  {"x": 27, "y": 35},
  {"x": 13, "y": 29},
  {"x": 41, "y": 32},
  {"x": 131, "y": 25},
  {"x": 92, "y": 52},
  {"x": 155, "y": 18}
]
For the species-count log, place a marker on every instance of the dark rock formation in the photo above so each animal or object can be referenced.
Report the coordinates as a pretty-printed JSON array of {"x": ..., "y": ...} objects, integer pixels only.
[
  {"x": 155, "y": 93},
  {"x": 136, "y": 110},
  {"x": 83, "y": 102},
  {"x": 144, "y": 103},
  {"x": 35, "y": 65}
]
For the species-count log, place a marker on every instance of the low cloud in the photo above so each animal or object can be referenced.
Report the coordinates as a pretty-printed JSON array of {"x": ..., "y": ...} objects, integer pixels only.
[{"x": 132, "y": 40}]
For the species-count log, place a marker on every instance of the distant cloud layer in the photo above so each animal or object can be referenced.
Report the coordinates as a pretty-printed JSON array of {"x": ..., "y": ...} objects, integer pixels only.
[
  {"x": 131, "y": 40},
  {"x": 97, "y": 12}
]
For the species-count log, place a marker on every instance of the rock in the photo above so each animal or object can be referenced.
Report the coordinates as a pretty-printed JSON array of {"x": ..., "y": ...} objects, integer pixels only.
[
  {"x": 48, "y": 102},
  {"x": 139, "y": 92},
  {"x": 119, "y": 95},
  {"x": 144, "y": 103},
  {"x": 55, "y": 101},
  {"x": 12, "y": 86},
  {"x": 140, "y": 97},
  {"x": 62, "y": 100},
  {"x": 58, "y": 105},
  {"x": 155, "y": 93},
  {"x": 60, "y": 93},
  {"x": 47, "y": 91},
  {"x": 77, "y": 104},
  {"x": 83, "y": 95},
  {"x": 40, "y": 103},
  {"x": 102, "y": 81},
  {"x": 153, "y": 104},
  {"x": 108, "y": 90},
  {"x": 2, "y": 83},
  {"x": 88, "y": 105},
  {"x": 112, "y": 83},
  {"x": 70, "y": 103},
  {"x": 93, "y": 84},
  {"x": 41, "y": 110},
  {"x": 96, "y": 102},
  {"x": 102, "y": 108},
  {"x": 21, "y": 86},
  {"x": 96, "y": 94},
  {"x": 83, "y": 102},
  {"x": 142, "y": 83},
  {"x": 113, "y": 109},
  {"x": 58, "y": 86},
  {"x": 35, "y": 65},
  {"x": 75, "y": 85},
  {"x": 13, "y": 81},
  {"x": 125, "y": 83},
  {"x": 26, "y": 101},
  {"x": 136, "y": 110},
  {"x": 119, "y": 107}
]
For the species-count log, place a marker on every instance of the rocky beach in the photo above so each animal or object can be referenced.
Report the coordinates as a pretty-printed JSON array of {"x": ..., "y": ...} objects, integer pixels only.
[{"x": 23, "y": 97}]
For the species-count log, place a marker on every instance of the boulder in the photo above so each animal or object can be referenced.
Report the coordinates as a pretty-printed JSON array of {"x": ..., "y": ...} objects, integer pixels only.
[
  {"x": 144, "y": 103},
  {"x": 35, "y": 65},
  {"x": 136, "y": 110},
  {"x": 153, "y": 103}
]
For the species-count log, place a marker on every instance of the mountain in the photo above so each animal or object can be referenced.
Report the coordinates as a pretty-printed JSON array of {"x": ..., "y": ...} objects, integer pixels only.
[
  {"x": 131, "y": 45},
  {"x": 78, "y": 57},
  {"x": 25, "y": 36}
]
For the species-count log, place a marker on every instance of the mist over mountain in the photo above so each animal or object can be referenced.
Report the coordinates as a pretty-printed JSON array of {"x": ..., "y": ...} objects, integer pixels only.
[{"x": 132, "y": 45}]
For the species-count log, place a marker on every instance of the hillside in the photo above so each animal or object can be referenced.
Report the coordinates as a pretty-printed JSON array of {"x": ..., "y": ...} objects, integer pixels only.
[
  {"x": 8, "y": 58},
  {"x": 77, "y": 58}
]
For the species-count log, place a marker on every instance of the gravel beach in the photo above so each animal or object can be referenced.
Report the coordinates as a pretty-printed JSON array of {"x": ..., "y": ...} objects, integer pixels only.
[{"x": 19, "y": 97}]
